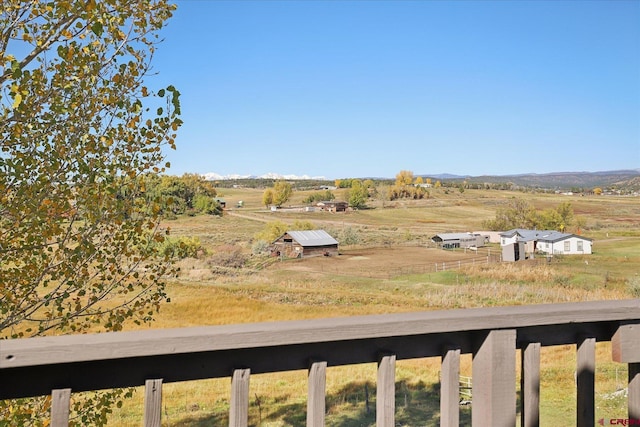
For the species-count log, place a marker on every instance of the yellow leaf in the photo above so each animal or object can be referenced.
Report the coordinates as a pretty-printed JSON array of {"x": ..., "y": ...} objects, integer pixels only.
[{"x": 17, "y": 100}]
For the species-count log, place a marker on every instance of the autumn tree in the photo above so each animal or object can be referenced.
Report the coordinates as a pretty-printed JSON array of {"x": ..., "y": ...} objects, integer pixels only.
[
  {"x": 79, "y": 126},
  {"x": 282, "y": 191},
  {"x": 404, "y": 177},
  {"x": 267, "y": 197},
  {"x": 405, "y": 187},
  {"x": 358, "y": 195}
]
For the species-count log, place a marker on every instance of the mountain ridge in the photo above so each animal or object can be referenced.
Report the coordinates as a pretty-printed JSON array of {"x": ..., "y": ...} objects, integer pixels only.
[{"x": 567, "y": 179}]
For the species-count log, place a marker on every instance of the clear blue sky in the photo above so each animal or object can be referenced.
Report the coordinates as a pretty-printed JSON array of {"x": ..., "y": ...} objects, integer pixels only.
[{"x": 368, "y": 88}]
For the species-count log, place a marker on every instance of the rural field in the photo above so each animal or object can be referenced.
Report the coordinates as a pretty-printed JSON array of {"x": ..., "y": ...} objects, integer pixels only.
[{"x": 390, "y": 266}]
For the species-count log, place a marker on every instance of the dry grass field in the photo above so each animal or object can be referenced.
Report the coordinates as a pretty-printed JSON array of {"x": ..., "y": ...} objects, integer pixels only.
[{"x": 392, "y": 268}]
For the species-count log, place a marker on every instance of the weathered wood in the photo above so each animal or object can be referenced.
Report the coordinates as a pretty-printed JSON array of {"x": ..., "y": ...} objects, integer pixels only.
[
  {"x": 625, "y": 344},
  {"x": 450, "y": 388},
  {"x": 634, "y": 391},
  {"x": 89, "y": 347},
  {"x": 386, "y": 392},
  {"x": 530, "y": 385},
  {"x": 33, "y": 367},
  {"x": 316, "y": 399},
  {"x": 153, "y": 403},
  {"x": 239, "y": 410},
  {"x": 585, "y": 382},
  {"x": 494, "y": 380},
  {"x": 60, "y": 405}
]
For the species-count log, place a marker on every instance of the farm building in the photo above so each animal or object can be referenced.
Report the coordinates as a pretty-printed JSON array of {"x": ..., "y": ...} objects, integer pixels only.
[
  {"x": 545, "y": 241},
  {"x": 564, "y": 243},
  {"x": 308, "y": 243},
  {"x": 331, "y": 206},
  {"x": 459, "y": 240},
  {"x": 513, "y": 252}
]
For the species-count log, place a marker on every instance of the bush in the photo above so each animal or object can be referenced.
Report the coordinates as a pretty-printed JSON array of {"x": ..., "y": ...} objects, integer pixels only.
[
  {"x": 206, "y": 205},
  {"x": 260, "y": 247},
  {"x": 228, "y": 256},
  {"x": 181, "y": 247}
]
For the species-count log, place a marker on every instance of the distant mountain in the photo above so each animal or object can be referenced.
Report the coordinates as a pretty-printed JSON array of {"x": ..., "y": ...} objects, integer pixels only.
[
  {"x": 622, "y": 179},
  {"x": 211, "y": 176},
  {"x": 564, "y": 180}
]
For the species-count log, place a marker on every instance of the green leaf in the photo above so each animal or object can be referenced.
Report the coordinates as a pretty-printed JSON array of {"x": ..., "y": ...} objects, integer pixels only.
[{"x": 97, "y": 28}]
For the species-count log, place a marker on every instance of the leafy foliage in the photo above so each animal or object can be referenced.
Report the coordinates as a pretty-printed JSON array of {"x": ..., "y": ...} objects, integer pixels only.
[
  {"x": 177, "y": 195},
  {"x": 78, "y": 129},
  {"x": 521, "y": 214},
  {"x": 319, "y": 196},
  {"x": 358, "y": 195},
  {"x": 272, "y": 231},
  {"x": 282, "y": 191}
]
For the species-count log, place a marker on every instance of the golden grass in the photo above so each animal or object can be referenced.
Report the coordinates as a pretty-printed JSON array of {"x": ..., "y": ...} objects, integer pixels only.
[{"x": 201, "y": 297}]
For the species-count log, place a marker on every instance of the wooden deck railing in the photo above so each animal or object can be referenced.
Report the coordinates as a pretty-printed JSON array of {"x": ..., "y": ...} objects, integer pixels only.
[{"x": 64, "y": 364}]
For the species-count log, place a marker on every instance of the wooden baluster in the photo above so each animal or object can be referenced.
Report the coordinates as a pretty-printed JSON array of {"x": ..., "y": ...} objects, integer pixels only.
[
  {"x": 450, "y": 388},
  {"x": 386, "y": 391},
  {"x": 634, "y": 391},
  {"x": 60, "y": 405},
  {"x": 625, "y": 348},
  {"x": 239, "y": 411},
  {"x": 316, "y": 396},
  {"x": 494, "y": 380},
  {"x": 585, "y": 382},
  {"x": 530, "y": 385},
  {"x": 153, "y": 403}
]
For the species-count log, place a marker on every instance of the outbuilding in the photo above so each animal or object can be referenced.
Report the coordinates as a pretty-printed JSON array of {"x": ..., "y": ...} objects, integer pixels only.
[
  {"x": 459, "y": 240},
  {"x": 332, "y": 206},
  {"x": 306, "y": 243}
]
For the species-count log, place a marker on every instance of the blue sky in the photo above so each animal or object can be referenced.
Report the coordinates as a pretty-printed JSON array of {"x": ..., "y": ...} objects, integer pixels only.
[{"x": 368, "y": 88}]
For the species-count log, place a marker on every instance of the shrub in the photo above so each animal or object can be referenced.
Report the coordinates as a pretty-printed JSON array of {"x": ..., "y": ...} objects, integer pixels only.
[
  {"x": 181, "y": 247},
  {"x": 228, "y": 256},
  {"x": 260, "y": 247}
]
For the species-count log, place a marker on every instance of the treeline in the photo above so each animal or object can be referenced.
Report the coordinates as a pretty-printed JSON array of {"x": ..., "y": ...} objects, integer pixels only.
[
  {"x": 189, "y": 194},
  {"x": 521, "y": 214}
]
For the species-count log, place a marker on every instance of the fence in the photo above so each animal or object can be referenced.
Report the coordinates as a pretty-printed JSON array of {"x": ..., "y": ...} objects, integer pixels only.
[{"x": 58, "y": 366}]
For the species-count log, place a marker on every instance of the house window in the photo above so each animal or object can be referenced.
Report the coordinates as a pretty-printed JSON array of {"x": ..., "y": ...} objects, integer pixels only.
[
  {"x": 567, "y": 246},
  {"x": 504, "y": 241},
  {"x": 580, "y": 249}
]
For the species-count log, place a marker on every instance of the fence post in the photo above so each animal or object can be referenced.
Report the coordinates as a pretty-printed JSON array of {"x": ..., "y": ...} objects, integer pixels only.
[
  {"x": 316, "y": 394},
  {"x": 494, "y": 379},
  {"x": 386, "y": 391},
  {"x": 153, "y": 403},
  {"x": 585, "y": 376},
  {"x": 625, "y": 348},
  {"x": 450, "y": 388},
  {"x": 530, "y": 385},
  {"x": 239, "y": 411},
  {"x": 60, "y": 404}
]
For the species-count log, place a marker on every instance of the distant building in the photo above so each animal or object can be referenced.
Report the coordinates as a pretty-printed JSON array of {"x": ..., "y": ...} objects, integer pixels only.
[
  {"x": 548, "y": 242},
  {"x": 459, "y": 240},
  {"x": 331, "y": 206},
  {"x": 307, "y": 243}
]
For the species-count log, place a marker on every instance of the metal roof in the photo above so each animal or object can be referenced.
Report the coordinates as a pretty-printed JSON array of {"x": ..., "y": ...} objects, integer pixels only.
[
  {"x": 454, "y": 236},
  {"x": 525, "y": 235},
  {"x": 312, "y": 238}
]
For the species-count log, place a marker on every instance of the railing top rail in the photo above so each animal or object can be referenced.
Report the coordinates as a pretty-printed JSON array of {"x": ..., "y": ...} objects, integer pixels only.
[{"x": 108, "y": 346}]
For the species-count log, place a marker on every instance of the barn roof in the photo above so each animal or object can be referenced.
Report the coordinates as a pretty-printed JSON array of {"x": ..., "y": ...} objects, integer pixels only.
[
  {"x": 453, "y": 236},
  {"x": 312, "y": 238}
]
